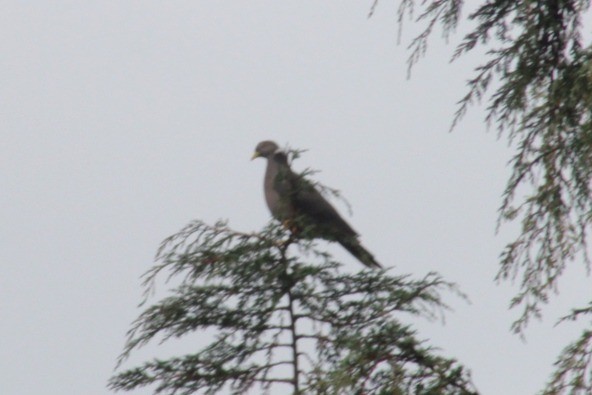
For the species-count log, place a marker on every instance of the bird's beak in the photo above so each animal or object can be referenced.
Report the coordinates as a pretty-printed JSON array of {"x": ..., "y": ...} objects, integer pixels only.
[{"x": 255, "y": 155}]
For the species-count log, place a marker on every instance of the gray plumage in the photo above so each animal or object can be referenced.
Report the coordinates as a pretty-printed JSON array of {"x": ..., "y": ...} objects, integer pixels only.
[{"x": 296, "y": 203}]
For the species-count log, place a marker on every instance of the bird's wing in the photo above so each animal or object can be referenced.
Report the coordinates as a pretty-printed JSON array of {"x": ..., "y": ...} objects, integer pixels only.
[
  {"x": 300, "y": 201},
  {"x": 307, "y": 201},
  {"x": 295, "y": 199}
]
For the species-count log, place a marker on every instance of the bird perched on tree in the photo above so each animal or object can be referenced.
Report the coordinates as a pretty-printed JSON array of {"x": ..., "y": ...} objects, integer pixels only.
[{"x": 294, "y": 201}]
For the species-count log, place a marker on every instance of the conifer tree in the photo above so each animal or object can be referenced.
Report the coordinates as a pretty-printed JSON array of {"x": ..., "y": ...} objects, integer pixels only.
[
  {"x": 288, "y": 319},
  {"x": 536, "y": 79}
]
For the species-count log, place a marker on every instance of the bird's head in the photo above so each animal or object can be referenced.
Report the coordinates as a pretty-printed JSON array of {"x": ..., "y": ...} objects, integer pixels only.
[{"x": 265, "y": 149}]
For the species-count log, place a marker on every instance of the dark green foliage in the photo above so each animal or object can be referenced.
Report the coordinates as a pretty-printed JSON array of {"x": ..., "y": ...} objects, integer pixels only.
[
  {"x": 285, "y": 320},
  {"x": 537, "y": 81},
  {"x": 573, "y": 373}
]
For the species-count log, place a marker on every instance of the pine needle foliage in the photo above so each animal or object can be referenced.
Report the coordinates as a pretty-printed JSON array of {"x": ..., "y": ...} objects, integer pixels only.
[
  {"x": 287, "y": 320},
  {"x": 573, "y": 367},
  {"x": 536, "y": 80}
]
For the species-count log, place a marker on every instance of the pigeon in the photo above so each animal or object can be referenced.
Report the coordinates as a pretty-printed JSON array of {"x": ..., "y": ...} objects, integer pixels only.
[{"x": 296, "y": 203}]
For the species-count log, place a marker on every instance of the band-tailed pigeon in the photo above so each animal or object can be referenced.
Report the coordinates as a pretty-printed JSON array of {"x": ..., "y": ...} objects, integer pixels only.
[{"x": 293, "y": 200}]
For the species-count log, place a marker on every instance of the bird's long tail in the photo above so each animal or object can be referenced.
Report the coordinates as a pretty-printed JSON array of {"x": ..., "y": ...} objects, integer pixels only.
[{"x": 363, "y": 255}]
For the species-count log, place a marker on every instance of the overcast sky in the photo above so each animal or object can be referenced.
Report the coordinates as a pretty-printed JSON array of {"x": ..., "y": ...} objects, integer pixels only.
[{"x": 124, "y": 120}]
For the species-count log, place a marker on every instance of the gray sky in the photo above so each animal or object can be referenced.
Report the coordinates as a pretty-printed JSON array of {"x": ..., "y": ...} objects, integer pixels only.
[{"x": 123, "y": 121}]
